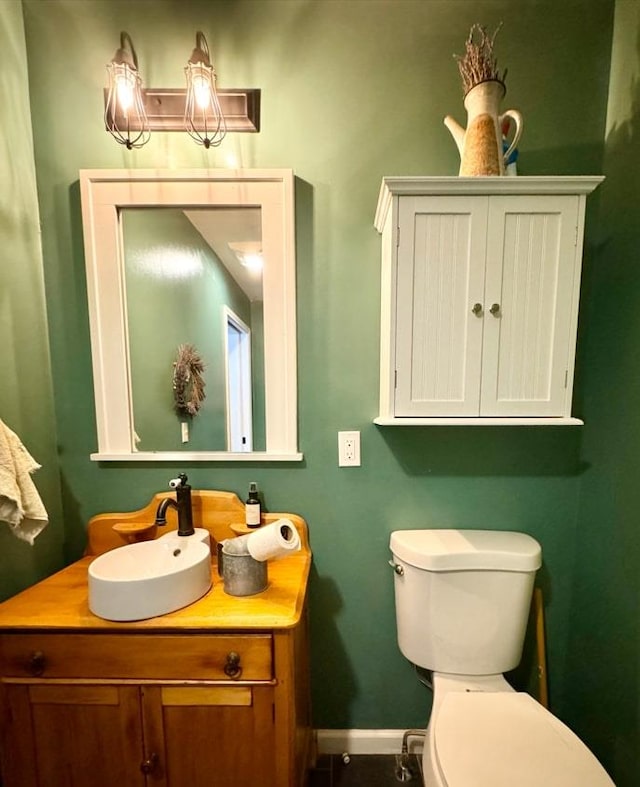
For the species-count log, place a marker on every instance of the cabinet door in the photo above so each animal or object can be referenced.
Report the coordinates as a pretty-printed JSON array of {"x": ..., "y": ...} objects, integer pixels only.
[
  {"x": 212, "y": 736},
  {"x": 71, "y": 735},
  {"x": 440, "y": 276},
  {"x": 530, "y": 305}
]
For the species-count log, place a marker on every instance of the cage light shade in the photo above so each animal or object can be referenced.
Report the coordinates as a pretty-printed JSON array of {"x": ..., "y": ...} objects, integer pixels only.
[
  {"x": 124, "y": 113},
  {"x": 203, "y": 116}
]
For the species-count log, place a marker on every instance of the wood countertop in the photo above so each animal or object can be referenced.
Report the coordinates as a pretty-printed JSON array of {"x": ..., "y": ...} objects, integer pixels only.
[{"x": 61, "y": 600}]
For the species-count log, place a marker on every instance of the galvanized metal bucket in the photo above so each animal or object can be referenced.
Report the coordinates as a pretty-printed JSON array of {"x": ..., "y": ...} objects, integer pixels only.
[{"x": 241, "y": 574}]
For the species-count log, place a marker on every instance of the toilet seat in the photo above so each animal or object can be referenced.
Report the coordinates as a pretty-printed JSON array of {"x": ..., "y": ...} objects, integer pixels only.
[{"x": 502, "y": 739}]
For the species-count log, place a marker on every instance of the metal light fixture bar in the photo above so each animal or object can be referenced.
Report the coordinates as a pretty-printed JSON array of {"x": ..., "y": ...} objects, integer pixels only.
[{"x": 165, "y": 109}]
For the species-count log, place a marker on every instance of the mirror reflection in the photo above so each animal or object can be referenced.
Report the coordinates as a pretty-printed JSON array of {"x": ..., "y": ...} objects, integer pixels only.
[{"x": 194, "y": 277}]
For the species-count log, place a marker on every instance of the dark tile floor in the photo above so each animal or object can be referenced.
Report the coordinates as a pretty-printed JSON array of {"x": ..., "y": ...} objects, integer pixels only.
[{"x": 363, "y": 770}]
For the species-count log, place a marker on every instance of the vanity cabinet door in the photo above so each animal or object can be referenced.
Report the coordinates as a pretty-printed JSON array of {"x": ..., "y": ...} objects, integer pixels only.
[
  {"x": 112, "y": 736},
  {"x": 440, "y": 295},
  {"x": 532, "y": 274},
  {"x": 212, "y": 736},
  {"x": 71, "y": 735}
]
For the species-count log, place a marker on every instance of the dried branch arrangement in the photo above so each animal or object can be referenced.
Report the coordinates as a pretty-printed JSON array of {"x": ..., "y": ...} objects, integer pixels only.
[
  {"x": 479, "y": 64},
  {"x": 188, "y": 385}
]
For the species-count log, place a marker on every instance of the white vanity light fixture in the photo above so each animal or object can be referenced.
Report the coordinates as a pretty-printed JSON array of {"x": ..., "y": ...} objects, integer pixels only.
[
  {"x": 124, "y": 114},
  {"x": 249, "y": 255},
  {"x": 205, "y": 112}
]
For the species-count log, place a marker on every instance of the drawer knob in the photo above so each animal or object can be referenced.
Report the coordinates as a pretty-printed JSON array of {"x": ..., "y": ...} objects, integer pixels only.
[
  {"x": 232, "y": 668},
  {"x": 149, "y": 765},
  {"x": 37, "y": 663},
  {"x": 495, "y": 309},
  {"x": 477, "y": 309}
]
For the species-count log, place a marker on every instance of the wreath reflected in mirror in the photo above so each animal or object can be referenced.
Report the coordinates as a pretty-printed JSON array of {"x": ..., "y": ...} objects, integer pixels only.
[{"x": 188, "y": 384}]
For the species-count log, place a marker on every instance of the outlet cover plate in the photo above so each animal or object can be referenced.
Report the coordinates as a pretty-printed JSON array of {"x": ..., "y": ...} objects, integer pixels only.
[{"x": 348, "y": 449}]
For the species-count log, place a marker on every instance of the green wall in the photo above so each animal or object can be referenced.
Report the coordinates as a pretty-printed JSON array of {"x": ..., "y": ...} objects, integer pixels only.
[
  {"x": 603, "y": 653},
  {"x": 352, "y": 91},
  {"x": 26, "y": 395}
]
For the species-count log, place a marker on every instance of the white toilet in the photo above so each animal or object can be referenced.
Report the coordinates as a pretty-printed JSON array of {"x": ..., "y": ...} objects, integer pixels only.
[{"x": 462, "y": 604}]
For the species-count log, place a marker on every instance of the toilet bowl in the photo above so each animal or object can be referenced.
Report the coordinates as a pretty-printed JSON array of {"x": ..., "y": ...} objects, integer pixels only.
[{"x": 462, "y": 602}]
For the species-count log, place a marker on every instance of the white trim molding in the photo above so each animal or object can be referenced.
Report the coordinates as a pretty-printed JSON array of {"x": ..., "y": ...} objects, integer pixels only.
[
  {"x": 439, "y": 186},
  {"x": 365, "y": 742}
]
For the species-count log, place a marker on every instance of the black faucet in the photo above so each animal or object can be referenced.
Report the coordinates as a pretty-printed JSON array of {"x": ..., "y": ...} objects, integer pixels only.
[{"x": 182, "y": 504}]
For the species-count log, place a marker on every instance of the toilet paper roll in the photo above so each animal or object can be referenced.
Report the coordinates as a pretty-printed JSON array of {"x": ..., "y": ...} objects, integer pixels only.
[
  {"x": 236, "y": 546},
  {"x": 275, "y": 540}
]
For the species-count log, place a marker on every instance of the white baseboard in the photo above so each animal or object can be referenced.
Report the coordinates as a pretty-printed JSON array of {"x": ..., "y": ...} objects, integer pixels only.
[{"x": 365, "y": 742}]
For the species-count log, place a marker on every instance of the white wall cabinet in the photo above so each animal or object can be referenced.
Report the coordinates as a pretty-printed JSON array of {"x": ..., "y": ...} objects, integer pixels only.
[{"x": 480, "y": 290}]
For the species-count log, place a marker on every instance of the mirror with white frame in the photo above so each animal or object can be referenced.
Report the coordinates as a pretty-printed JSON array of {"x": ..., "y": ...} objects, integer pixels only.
[{"x": 167, "y": 257}]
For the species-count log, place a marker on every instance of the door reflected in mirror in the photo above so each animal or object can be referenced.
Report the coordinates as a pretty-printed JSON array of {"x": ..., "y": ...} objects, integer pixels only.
[
  {"x": 186, "y": 282},
  {"x": 199, "y": 258}
]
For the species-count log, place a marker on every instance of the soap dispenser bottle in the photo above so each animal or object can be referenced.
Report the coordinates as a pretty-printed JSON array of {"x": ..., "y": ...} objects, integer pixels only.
[{"x": 252, "y": 506}]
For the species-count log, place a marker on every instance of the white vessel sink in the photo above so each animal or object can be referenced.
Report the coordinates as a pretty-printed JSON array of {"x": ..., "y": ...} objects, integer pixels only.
[{"x": 150, "y": 578}]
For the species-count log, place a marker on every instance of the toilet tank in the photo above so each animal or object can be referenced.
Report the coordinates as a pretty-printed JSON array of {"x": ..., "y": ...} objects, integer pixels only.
[{"x": 463, "y": 597}]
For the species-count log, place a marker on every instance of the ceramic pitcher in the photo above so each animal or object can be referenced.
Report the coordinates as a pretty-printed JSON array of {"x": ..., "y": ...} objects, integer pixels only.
[{"x": 480, "y": 145}]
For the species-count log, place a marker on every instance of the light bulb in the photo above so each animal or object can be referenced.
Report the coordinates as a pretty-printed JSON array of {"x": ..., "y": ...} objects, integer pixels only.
[
  {"x": 202, "y": 92},
  {"x": 253, "y": 262},
  {"x": 125, "y": 86}
]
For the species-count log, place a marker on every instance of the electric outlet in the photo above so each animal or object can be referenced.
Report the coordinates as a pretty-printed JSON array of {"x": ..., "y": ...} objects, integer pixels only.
[{"x": 348, "y": 449}]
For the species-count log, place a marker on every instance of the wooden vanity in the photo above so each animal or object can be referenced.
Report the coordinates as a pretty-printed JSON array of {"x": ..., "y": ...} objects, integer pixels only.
[{"x": 163, "y": 701}]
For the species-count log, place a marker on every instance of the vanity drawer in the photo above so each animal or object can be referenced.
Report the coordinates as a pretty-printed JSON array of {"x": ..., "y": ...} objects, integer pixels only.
[{"x": 139, "y": 657}]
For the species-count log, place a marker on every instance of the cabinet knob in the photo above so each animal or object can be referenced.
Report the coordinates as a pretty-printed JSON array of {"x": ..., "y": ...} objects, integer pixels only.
[
  {"x": 477, "y": 309},
  {"x": 37, "y": 663},
  {"x": 149, "y": 765},
  {"x": 495, "y": 309},
  {"x": 232, "y": 668}
]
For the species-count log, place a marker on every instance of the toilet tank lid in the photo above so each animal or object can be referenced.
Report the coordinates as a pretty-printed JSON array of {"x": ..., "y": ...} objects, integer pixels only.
[{"x": 460, "y": 550}]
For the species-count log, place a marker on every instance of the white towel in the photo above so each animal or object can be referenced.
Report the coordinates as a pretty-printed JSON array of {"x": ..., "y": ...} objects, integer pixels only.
[{"x": 20, "y": 504}]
